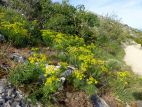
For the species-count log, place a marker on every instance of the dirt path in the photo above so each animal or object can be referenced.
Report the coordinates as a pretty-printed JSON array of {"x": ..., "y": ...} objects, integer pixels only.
[{"x": 133, "y": 58}]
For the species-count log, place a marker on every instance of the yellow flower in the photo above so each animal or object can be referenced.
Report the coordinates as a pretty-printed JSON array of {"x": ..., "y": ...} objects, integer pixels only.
[
  {"x": 104, "y": 69},
  {"x": 91, "y": 80},
  {"x": 32, "y": 60},
  {"x": 122, "y": 74},
  {"x": 79, "y": 75},
  {"x": 50, "y": 69},
  {"x": 40, "y": 58},
  {"x": 35, "y": 55},
  {"x": 83, "y": 67},
  {"x": 51, "y": 79},
  {"x": 100, "y": 62},
  {"x": 35, "y": 49}
]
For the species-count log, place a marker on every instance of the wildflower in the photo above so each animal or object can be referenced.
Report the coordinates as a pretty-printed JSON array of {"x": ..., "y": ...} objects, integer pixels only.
[
  {"x": 35, "y": 49},
  {"x": 43, "y": 57},
  {"x": 35, "y": 55},
  {"x": 51, "y": 80},
  {"x": 100, "y": 62},
  {"x": 91, "y": 80},
  {"x": 32, "y": 60},
  {"x": 122, "y": 74},
  {"x": 83, "y": 67},
  {"x": 50, "y": 69},
  {"x": 78, "y": 74},
  {"x": 104, "y": 69}
]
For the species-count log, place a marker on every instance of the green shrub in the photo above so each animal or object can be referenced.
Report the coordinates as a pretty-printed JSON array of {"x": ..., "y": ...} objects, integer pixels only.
[
  {"x": 17, "y": 29},
  {"x": 60, "y": 41},
  {"x": 24, "y": 74},
  {"x": 15, "y": 33},
  {"x": 48, "y": 37}
]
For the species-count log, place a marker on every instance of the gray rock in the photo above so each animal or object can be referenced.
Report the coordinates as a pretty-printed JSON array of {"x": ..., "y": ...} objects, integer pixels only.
[
  {"x": 2, "y": 102},
  {"x": 41, "y": 79},
  {"x": 9, "y": 92},
  {"x": 7, "y": 104},
  {"x": 98, "y": 102},
  {"x": 15, "y": 104},
  {"x": 11, "y": 97},
  {"x": 68, "y": 72},
  {"x": 17, "y": 57},
  {"x": 4, "y": 67},
  {"x": 2, "y": 38}
]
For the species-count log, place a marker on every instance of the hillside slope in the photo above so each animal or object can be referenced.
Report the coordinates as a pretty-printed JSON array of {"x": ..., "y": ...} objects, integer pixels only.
[{"x": 65, "y": 56}]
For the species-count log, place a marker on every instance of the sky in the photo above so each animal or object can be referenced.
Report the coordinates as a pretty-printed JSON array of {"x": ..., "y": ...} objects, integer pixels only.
[{"x": 129, "y": 11}]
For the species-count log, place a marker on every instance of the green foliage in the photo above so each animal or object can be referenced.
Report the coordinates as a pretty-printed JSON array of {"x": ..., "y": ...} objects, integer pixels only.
[
  {"x": 24, "y": 74},
  {"x": 60, "y": 41},
  {"x": 91, "y": 44},
  {"x": 91, "y": 72},
  {"x": 17, "y": 29},
  {"x": 126, "y": 86},
  {"x": 15, "y": 33},
  {"x": 30, "y": 8},
  {"x": 60, "y": 17}
]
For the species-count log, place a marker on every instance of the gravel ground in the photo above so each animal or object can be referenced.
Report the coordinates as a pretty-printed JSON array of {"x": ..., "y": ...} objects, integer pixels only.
[{"x": 10, "y": 97}]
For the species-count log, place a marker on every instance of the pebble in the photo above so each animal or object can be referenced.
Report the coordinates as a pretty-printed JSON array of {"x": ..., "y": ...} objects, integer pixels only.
[
  {"x": 17, "y": 57},
  {"x": 2, "y": 38},
  {"x": 98, "y": 102}
]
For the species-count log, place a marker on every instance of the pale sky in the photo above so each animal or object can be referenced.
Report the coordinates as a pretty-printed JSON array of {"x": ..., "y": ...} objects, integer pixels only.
[{"x": 129, "y": 11}]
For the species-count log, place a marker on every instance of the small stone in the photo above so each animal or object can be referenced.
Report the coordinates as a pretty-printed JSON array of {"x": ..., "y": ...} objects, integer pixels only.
[
  {"x": 9, "y": 93},
  {"x": 68, "y": 72},
  {"x": 7, "y": 104},
  {"x": 1, "y": 90},
  {"x": 2, "y": 38},
  {"x": 98, "y": 102},
  {"x": 15, "y": 104},
  {"x": 17, "y": 57},
  {"x": 41, "y": 79},
  {"x": 4, "y": 66},
  {"x": 62, "y": 79},
  {"x": 7, "y": 99},
  {"x": 1, "y": 102},
  {"x": 68, "y": 94}
]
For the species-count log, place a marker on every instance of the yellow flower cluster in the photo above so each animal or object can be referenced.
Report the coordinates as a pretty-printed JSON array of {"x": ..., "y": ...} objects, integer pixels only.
[
  {"x": 122, "y": 76},
  {"x": 91, "y": 80},
  {"x": 17, "y": 28},
  {"x": 37, "y": 58},
  {"x": 35, "y": 49},
  {"x": 104, "y": 69},
  {"x": 50, "y": 80},
  {"x": 50, "y": 69},
  {"x": 79, "y": 75},
  {"x": 100, "y": 62},
  {"x": 83, "y": 67}
]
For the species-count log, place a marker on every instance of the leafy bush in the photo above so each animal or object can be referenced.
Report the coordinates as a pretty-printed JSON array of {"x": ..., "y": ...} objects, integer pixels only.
[
  {"x": 24, "y": 74},
  {"x": 60, "y": 41},
  {"x": 48, "y": 37},
  {"x": 17, "y": 29},
  {"x": 90, "y": 74}
]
